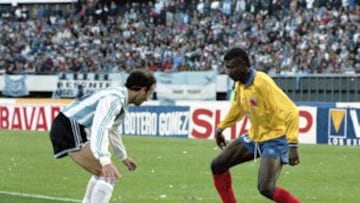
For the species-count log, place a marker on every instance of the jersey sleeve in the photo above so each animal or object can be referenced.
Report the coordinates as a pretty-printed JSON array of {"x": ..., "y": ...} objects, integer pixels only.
[
  {"x": 116, "y": 144},
  {"x": 233, "y": 115},
  {"x": 235, "y": 112},
  {"x": 104, "y": 116}
]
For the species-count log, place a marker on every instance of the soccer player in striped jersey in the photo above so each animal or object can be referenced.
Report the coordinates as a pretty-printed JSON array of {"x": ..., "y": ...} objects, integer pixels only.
[
  {"x": 102, "y": 113},
  {"x": 273, "y": 135}
]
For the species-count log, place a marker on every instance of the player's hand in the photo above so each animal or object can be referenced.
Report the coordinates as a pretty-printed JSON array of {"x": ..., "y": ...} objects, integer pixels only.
[
  {"x": 220, "y": 139},
  {"x": 110, "y": 171},
  {"x": 293, "y": 156},
  {"x": 129, "y": 163}
]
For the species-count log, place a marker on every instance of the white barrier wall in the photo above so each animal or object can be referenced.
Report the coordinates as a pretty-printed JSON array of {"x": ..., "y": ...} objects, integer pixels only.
[{"x": 48, "y": 83}]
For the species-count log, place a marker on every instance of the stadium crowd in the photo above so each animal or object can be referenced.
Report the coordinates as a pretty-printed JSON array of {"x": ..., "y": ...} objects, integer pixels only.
[{"x": 286, "y": 37}]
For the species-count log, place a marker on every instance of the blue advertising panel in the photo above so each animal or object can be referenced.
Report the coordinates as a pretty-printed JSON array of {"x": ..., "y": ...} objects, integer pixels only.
[
  {"x": 165, "y": 121},
  {"x": 338, "y": 126}
]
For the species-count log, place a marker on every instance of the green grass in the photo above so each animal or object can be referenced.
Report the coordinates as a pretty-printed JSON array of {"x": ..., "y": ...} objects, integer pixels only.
[{"x": 171, "y": 170}]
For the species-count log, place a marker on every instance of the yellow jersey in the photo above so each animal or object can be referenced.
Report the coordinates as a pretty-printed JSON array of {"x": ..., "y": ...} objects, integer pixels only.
[{"x": 271, "y": 112}]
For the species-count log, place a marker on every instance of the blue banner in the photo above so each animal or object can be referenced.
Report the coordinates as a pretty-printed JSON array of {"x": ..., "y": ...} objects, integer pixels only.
[
  {"x": 15, "y": 86},
  {"x": 172, "y": 121}
]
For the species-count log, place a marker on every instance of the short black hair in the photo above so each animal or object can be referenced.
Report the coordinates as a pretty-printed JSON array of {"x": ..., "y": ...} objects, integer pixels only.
[
  {"x": 140, "y": 78},
  {"x": 237, "y": 53}
]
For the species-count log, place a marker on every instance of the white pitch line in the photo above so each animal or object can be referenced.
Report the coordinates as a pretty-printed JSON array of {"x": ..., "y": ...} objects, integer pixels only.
[{"x": 39, "y": 196}]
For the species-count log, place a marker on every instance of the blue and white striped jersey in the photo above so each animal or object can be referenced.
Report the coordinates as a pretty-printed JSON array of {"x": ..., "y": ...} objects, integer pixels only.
[{"x": 102, "y": 112}]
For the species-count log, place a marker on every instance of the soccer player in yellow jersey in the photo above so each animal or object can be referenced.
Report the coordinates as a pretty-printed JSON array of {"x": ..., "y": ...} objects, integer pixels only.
[{"x": 273, "y": 135}]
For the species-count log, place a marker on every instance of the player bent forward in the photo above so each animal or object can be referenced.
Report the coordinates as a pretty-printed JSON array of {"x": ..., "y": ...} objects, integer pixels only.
[{"x": 102, "y": 112}]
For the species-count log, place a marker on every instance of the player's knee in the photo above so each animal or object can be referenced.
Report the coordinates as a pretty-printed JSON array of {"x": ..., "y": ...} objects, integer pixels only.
[
  {"x": 266, "y": 190},
  {"x": 217, "y": 167}
]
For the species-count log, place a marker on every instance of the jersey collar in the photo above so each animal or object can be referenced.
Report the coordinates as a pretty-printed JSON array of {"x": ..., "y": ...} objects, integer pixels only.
[{"x": 251, "y": 77}]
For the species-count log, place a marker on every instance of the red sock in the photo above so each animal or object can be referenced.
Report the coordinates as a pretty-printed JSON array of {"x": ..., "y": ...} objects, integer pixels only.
[
  {"x": 223, "y": 185},
  {"x": 283, "y": 196}
]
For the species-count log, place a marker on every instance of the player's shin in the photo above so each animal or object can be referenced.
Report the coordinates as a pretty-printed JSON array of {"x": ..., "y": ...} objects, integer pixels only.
[
  {"x": 102, "y": 191},
  {"x": 89, "y": 189}
]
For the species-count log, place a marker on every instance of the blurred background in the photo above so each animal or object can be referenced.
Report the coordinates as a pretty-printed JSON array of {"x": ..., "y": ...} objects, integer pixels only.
[{"x": 310, "y": 47}]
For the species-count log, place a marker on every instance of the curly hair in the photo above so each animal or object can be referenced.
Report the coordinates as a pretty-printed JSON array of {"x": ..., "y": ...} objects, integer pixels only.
[
  {"x": 140, "y": 78},
  {"x": 238, "y": 54}
]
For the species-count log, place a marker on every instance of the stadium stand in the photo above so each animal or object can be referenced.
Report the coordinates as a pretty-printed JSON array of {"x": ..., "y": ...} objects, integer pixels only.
[{"x": 284, "y": 37}]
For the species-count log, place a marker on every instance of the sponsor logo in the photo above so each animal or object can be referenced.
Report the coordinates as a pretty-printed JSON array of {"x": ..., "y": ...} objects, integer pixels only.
[
  {"x": 337, "y": 123},
  {"x": 343, "y": 127}
]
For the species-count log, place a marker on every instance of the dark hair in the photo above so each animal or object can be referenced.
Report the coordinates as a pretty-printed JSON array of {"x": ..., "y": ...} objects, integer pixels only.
[
  {"x": 239, "y": 54},
  {"x": 140, "y": 78}
]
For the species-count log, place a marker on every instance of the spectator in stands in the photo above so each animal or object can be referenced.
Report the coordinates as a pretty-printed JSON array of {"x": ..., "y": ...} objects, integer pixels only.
[
  {"x": 152, "y": 66},
  {"x": 205, "y": 24}
]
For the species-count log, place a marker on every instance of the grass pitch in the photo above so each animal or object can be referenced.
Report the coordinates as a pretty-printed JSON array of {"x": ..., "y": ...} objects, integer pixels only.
[{"x": 171, "y": 170}]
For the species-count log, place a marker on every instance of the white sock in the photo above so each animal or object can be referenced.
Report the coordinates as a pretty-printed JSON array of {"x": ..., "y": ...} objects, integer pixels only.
[
  {"x": 89, "y": 189},
  {"x": 102, "y": 192}
]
